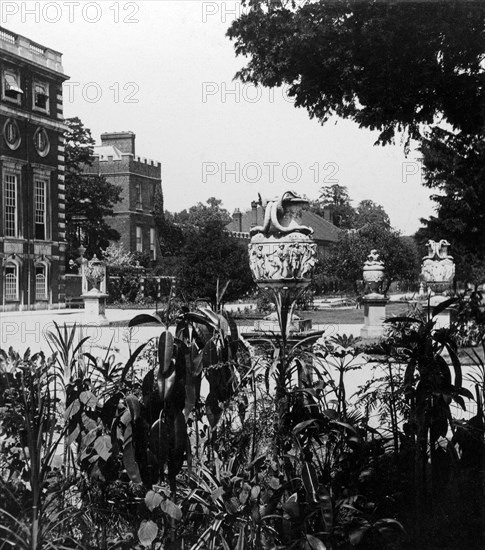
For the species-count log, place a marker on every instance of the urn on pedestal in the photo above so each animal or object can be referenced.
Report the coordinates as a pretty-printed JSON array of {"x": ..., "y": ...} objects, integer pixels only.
[
  {"x": 94, "y": 275},
  {"x": 438, "y": 272},
  {"x": 282, "y": 253},
  {"x": 374, "y": 301}
]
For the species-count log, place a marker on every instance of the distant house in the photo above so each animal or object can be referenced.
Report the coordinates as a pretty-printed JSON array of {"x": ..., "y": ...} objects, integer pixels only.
[
  {"x": 325, "y": 233},
  {"x": 32, "y": 197},
  {"x": 115, "y": 159}
]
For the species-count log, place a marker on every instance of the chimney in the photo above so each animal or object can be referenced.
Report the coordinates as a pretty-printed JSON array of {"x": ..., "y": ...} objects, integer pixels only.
[
  {"x": 124, "y": 141},
  {"x": 328, "y": 213},
  {"x": 237, "y": 217},
  {"x": 254, "y": 213}
]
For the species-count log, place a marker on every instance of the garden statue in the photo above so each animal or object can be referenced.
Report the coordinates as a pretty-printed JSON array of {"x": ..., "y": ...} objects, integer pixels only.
[
  {"x": 282, "y": 248},
  {"x": 373, "y": 274},
  {"x": 438, "y": 268}
]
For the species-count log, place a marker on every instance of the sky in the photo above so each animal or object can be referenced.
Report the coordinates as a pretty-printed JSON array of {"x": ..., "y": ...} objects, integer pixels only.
[{"x": 164, "y": 69}]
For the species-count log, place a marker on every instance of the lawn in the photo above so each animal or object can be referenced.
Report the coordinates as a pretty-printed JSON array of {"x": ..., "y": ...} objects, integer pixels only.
[{"x": 344, "y": 315}]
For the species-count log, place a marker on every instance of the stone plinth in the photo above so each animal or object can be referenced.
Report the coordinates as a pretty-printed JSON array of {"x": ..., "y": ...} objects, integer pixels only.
[
  {"x": 95, "y": 307},
  {"x": 374, "y": 315}
]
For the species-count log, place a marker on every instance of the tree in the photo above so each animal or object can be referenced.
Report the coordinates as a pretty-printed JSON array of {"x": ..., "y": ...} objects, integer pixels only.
[
  {"x": 89, "y": 198},
  {"x": 336, "y": 198},
  {"x": 399, "y": 255},
  {"x": 397, "y": 66},
  {"x": 211, "y": 258},
  {"x": 199, "y": 214},
  {"x": 370, "y": 213},
  {"x": 454, "y": 165}
]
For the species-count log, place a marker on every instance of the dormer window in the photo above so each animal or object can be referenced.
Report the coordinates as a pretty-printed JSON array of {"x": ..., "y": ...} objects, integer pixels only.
[
  {"x": 11, "y": 89},
  {"x": 40, "y": 96}
]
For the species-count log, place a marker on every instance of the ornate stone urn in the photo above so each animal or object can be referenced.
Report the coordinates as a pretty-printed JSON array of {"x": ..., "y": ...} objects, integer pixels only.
[
  {"x": 438, "y": 267},
  {"x": 94, "y": 274},
  {"x": 373, "y": 273},
  {"x": 282, "y": 253},
  {"x": 95, "y": 271}
]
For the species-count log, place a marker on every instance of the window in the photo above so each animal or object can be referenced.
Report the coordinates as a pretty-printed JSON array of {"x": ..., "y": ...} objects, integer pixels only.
[
  {"x": 40, "y": 96},
  {"x": 40, "y": 209},
  {"x": 11, "y": 134},
  {"x": 11, "y": 281},
  {"x": 153, "y": 253},
  {"x": 11, "y": 89},
  {"x": 139, "y": 239},
  {"x": 139, "y": 201},
  {"x": 41, "y": 282},
  {"x": 10, "y": 205},
  {"x": 41, "y": 142}
]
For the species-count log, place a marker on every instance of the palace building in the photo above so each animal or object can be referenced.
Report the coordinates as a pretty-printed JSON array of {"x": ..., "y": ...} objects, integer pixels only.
[
  {"x": 139, "y": 178},
  {"x": 32, "y": 197}
]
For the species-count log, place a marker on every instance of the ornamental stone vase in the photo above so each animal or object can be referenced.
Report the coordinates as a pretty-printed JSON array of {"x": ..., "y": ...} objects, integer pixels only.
[
  {"x": 373, "y": 274},
  {"x": 94, "y": 272},
  {"x": 282, "y": 252},
  {"x": 438, "y": 267}
]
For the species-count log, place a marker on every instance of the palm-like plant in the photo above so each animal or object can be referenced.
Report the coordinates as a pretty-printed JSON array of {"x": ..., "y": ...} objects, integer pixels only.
[
  {"x": 431, "y": 382},
  {"x": 30, "y": 397}
]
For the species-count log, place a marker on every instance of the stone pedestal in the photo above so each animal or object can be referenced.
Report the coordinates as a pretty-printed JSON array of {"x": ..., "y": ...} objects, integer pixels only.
[
  {"x": 374, "y": 315},
  {"x": 95, "y": 307}
]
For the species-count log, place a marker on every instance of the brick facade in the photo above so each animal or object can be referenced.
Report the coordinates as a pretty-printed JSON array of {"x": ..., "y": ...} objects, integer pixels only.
[
  {"x": 139, "y": 178},
  {"x": 32, "y": 197}
]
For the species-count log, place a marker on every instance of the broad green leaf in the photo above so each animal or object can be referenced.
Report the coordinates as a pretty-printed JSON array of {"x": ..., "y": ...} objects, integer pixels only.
[
  {"x": 274, "y": 483},
  {"x": 442, "y": 306},
  {"x": 165, "y": 351},
  {"x": 129, "y": 460},
  {"x": 73, "y": 408},
  {"x": 147, "y": 532},
  {"x": 152, "y": 500},
  {"x": 134, "y": 406},
  {"x": 132, "y": 360},
  {"x": 143, "y": 319},
  {"x": 73, "y": 435},
  {"x": 356, "y": 535},
  {"x": 103, "y": 446},
  {"x": 89, "y": 438},
  {"x": 88, "y": 399},
  {"x": 302, "y": 425},
  {"x": 171, "y": 509},
  {"x": 255, "y": 491}
]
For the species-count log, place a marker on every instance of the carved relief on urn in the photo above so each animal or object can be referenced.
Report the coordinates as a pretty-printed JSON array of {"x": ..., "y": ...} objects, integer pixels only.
[
  {"x": 438, "y": 267},
  {"x": 282, "y": 249},
  {"x": 373, "y": 273}
]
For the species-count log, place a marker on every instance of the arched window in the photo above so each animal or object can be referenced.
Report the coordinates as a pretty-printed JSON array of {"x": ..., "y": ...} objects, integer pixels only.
[
  {"x": 41, "y": 281},
  {"x": 11, "y": 281}
]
